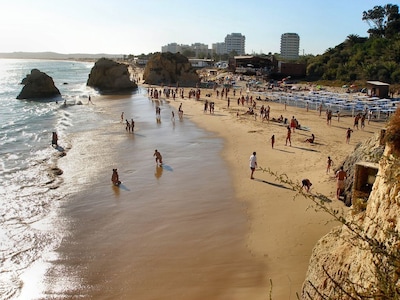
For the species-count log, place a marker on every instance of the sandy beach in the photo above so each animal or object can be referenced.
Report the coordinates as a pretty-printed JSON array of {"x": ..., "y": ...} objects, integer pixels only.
[
  {"x": 199, "y": 227},
  {"x": 281, "y": 230}
]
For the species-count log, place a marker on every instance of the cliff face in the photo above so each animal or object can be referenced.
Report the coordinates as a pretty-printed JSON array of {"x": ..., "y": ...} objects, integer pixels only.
[
  {"x": 344, "y": 263},
  {"x": 170, "y": 69},
  {"x": 110, "y": 77},
  {"x": 369, "y": 151},
  {"x": 38, "y": 85}
]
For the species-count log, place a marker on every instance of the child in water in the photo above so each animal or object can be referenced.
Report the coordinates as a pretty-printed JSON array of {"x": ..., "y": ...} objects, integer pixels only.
[
  {"x": 115, "y": 177},
  {"x": 158, "y": 157}
]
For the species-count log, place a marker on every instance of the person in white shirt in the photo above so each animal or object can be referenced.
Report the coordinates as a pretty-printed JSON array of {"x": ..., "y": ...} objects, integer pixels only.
[{"x": 253, "y": 164}]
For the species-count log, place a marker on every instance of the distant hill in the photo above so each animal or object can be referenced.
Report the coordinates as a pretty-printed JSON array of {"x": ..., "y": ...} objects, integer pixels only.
[{"x": 53, "y": 55}]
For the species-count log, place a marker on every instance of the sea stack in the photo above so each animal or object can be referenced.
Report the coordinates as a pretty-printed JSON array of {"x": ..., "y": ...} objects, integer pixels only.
[
  {"x": 109, "y": 77},
  {"x": 38, "y": 85},
  {"x": 170, "y": 69}
]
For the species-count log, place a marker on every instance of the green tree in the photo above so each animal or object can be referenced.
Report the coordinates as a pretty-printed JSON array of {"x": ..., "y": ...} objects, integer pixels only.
[{"x": 384, "y": 21}]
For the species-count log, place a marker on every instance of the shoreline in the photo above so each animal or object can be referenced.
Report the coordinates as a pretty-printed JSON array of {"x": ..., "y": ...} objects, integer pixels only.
[{"x": 282, "y": 231}]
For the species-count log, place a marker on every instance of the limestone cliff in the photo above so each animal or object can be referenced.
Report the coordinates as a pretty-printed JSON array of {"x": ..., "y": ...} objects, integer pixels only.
[
  {"x": 170, "y": 69},
  {"x": 38, "y": 85},
  {"x": 370, "y": 151},
  {"x": 361, "y": 260},
  {"x": 111, "y": 77}
]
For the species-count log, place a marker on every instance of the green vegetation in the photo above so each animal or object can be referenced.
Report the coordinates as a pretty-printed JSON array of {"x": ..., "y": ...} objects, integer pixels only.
[{"x": 359, "y": 59}]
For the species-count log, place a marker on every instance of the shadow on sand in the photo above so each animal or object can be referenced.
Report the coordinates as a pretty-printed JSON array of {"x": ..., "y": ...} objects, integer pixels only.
[
  {"x": 273, "y": 184},
  {"x": 306, "y": 149}
]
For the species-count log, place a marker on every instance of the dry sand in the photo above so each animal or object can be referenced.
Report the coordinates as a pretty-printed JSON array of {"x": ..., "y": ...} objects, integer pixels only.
[{"x": 282, "y": 230}]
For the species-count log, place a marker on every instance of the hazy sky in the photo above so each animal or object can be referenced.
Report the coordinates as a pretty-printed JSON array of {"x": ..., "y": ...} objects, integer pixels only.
[{"x": 135, "y": 27}]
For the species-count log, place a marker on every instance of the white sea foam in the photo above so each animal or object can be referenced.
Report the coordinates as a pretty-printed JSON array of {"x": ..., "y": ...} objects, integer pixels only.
[{"x": 28, "y": 193}]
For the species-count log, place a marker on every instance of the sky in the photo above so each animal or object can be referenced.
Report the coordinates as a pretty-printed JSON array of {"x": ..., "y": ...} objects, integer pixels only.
[{"x": 136, "y": 27}]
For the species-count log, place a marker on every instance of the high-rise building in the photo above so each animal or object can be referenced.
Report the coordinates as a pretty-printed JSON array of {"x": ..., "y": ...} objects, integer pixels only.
[
  {"x": 172, "y": 47},
  {"x": 290, "y": 44},
  {"x": 235, "y": 42},
  {"x": 219, "y": 48}
]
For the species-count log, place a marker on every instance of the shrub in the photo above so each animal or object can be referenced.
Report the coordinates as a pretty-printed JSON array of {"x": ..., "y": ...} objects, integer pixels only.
[{"x": 392, "y": 136}]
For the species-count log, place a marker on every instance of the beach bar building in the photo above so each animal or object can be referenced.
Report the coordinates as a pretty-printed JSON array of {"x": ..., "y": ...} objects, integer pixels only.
[{"x": 378, "y": 89}]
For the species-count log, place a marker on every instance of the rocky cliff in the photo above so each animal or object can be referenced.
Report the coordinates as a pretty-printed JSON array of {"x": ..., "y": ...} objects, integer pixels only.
[
  {"x": 38, "y": 85},
  {"x": 361, "y": 259},
  {"x": 369, "y": 151},
  {"x": 170, "y": 69},
  {"x": 111, "y": 77}
]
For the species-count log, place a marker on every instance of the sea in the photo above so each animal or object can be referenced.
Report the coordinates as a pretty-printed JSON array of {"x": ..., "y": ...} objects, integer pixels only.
[{"x": 170, "y": 232}]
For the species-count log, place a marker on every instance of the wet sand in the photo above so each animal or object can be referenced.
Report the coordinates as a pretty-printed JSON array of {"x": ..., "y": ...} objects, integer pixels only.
[{"x": 176, "y": 232}]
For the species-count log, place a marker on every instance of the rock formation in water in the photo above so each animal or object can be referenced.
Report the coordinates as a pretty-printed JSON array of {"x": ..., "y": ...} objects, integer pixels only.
[
  {"x": 170, "y": 69},
  {"x": 110, "y": 77},
  {"x": 38, "y": 85},
  {"x": 363, "y": 257}
]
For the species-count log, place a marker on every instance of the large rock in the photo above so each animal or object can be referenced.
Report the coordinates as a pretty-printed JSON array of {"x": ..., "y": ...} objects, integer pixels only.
[
  {"x": 343, "y": 264},
  {"x": 110, "y": 77},
  {"x": 170, "y": 69},
  {"x": 38, "y": 85}
]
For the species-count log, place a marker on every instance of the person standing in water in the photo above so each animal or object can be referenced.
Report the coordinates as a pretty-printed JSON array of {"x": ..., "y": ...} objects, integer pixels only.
[
  {"x": 54, "y": 139},
  {"x": 132, "y": 125},
  {"x": 158, "y": 157},
  {"x": 115, "y": 177}
]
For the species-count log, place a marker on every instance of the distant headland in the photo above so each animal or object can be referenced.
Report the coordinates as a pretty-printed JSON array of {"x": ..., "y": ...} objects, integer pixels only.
[{"x": 54, "y": 55}]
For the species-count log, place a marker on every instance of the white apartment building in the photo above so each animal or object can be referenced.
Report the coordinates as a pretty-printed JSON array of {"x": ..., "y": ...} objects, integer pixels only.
[
  {"x": 235, "y": 42},
  {"x": 199, "y": 48},
  {"x": 290, "y": 45},
  {"x": 219, "y": 48},
  {"x": 172, "y": 47}
]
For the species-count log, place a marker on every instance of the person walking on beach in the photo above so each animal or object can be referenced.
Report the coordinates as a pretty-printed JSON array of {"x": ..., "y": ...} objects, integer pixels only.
[
  {"x": 54, "y": 139},
  {"x": 158, "y": 157},
  {"x": 122, "y": 117},
  {"x": 289, "y": 132},
  {"x": 363, "y": 121},
  {"x": 369, "y": 116},
  {"x": 341, "y": 176},
  {"x": 89, "y": 100},
  {"x": 329, "y": 164},
  {"x": 348, "y": 135},
  {"x": 293, "y": 123},
  {"x": 272, "y": 141},
  {"x": 253, "y": 164},
  {"x": 329, "y": 117},
  {"x": 356, "y": 119}
]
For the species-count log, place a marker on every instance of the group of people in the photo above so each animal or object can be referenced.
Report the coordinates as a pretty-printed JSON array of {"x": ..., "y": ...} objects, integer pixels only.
[
  {"x": 209, "y": 106},
  {"x": 115, "y": 176},
  {"x": 130, "y": 126},
  {"x": 340, "y": 175}
]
